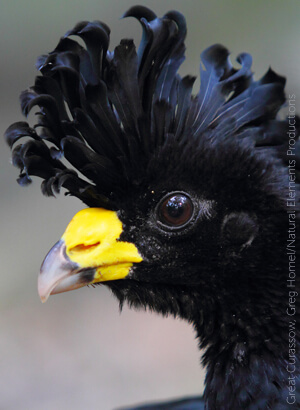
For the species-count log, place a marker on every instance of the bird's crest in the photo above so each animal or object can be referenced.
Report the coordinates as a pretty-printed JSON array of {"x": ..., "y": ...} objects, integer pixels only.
[{"x": 108, "y": 112}]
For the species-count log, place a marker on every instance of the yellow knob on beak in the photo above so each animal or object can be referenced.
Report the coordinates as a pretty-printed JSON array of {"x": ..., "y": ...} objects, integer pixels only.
[{"x": 89, "y": 252}]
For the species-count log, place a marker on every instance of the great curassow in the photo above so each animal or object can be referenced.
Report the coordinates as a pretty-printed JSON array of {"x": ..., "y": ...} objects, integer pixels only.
[{"x": 193, "y": 200}]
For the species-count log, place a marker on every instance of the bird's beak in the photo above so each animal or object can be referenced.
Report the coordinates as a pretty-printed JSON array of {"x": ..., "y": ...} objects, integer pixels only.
[{"x": 88, "y": 252}]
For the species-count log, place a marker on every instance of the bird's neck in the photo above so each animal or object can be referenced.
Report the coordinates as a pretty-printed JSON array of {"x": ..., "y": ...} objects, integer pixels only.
[
  {"x": 257, "y": 381},
  {"x": 249, "y": 359}
]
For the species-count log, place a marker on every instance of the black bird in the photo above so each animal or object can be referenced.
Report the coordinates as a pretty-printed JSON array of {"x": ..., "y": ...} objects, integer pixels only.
[{"x": 192, "y": 200}]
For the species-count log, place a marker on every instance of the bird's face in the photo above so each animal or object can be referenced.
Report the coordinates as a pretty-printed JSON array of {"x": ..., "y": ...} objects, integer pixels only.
[{"x": 181, "y": 229}]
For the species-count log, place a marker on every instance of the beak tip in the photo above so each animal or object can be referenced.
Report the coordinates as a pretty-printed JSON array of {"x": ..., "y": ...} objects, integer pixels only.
[
  {"x": 43, "y": 299},
  {"x": 42, "y": 294}
]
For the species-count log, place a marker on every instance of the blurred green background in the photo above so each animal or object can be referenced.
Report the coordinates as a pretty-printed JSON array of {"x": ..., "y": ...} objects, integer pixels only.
[{"x": 77, "y": 351}]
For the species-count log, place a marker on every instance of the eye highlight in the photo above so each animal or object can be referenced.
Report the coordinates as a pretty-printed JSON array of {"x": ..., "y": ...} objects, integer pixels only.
[{"x": 175, "y": 211}]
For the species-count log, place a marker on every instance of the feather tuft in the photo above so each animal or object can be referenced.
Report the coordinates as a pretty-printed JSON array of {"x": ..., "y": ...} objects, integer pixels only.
[{"x": 108, "y": 112}]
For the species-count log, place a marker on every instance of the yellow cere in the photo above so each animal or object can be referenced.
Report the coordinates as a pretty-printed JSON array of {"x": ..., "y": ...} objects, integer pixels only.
[{"x": 91, "y": 240}]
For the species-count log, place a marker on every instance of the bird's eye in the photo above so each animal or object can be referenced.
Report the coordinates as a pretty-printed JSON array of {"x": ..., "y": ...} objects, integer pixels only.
[{"x": 175, "y": 210}]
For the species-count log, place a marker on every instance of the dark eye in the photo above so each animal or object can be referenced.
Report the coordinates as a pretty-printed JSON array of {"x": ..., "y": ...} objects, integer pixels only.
[{"x": 175, "y": 210}]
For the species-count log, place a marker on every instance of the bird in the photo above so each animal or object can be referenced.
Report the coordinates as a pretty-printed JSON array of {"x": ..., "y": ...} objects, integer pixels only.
[{"x": 191, "y": 198}]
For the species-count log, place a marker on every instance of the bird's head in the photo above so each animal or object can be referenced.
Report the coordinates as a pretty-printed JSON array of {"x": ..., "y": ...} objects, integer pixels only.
[{"x": 186, "y": 192}]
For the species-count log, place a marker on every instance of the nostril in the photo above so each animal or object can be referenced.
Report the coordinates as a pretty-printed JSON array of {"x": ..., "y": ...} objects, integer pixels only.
[{"x": 83, "y": 248}]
